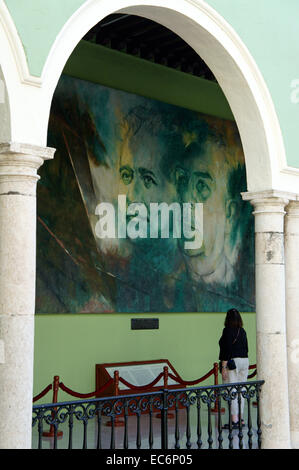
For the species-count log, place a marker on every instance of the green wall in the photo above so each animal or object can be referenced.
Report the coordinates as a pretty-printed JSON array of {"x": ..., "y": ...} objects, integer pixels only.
[
  {"x": 70, "y": 345},
  {"x": 38, "y": 23},
  {"x": 269, "y": 29}
]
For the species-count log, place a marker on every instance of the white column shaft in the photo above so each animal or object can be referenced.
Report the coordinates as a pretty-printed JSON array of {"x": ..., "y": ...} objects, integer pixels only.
[
  {"x": 270, "y": 318},
  {"x": 18, "y": 178},
  {"x": 292, "y": 312}
]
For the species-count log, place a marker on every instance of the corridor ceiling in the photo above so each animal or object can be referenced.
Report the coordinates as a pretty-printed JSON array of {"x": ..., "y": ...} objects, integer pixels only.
[{"x": 148, "y": 40}]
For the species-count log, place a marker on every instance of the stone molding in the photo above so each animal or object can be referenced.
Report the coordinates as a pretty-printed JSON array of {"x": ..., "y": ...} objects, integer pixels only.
[
  {"x": 267, "y": 194},
  {"x": 18, "y": 167},
  {"x": 46, "y": 153},
  {"x": 292, "y": 208},
  {"x": 269, "y": 209}
]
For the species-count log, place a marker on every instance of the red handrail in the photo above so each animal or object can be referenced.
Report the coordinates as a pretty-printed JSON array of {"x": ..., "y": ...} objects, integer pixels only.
[
  {"x": 253, "y": 366},
  {"x": 165, "y": 374},
  {"x": 42, "y": 393},
  {"x": 85, "y": 395},
  {"x": 191, "y": 382}
]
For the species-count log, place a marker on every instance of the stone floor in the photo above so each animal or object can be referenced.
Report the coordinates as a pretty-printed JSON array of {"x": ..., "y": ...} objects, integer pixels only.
[{"x": 62, "y": 442}]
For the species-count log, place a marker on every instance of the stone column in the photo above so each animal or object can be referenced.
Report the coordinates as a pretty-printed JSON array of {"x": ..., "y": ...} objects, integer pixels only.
[
  {"x": 18, "y": 177},
  {"x": 292, "y": 314},
  {"x": 270, "y": 316}
]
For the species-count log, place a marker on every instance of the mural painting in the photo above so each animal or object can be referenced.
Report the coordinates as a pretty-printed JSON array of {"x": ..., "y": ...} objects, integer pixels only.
[{"x": 135, "y": 153}]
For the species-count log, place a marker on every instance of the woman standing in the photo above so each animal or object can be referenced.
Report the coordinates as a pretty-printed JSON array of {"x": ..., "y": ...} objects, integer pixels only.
[{"x": 233, "y": 345}]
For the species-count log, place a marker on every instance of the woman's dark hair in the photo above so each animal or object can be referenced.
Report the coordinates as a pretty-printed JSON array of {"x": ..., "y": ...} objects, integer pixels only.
[{"x": 233, "y": 319}]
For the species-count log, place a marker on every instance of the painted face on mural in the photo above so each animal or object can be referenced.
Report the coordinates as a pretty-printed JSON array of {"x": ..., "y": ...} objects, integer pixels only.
[
  {"x": 141, "y": 178},
  {"x": 203, "y": 178}
]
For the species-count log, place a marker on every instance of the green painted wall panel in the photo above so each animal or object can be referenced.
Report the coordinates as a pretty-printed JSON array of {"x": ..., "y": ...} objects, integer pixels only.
[
  {"x": 269, "y": 29},
  {"x": 38, "y": 23},
  {"x": 71, "y": 345}
]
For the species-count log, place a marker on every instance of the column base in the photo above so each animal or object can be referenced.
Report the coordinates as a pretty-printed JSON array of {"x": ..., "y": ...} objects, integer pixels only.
[
  {"x": 275, "y": 444},
  {"x": 295, "y": 439}
]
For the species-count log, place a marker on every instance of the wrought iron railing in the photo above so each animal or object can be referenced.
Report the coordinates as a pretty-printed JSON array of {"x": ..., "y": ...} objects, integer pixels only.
[{"x": 177, "y": 419}]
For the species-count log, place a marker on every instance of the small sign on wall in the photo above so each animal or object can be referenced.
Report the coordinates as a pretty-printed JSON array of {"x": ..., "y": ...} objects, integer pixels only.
[{"x": 144, "y": 323}]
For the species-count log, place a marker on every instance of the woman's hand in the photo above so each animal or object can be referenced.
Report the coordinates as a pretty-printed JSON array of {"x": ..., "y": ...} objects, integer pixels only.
[
  {"x": 224, "y": 374},
  {"x": 224, "y": 371}
]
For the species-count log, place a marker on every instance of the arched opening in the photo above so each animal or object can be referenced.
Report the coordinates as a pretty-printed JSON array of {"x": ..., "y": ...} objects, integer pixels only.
[
  {"x": 66, "y": 117},
  {"x": 108, "y": 122}
]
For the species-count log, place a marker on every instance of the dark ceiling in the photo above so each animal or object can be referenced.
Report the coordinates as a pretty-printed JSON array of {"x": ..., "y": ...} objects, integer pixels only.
[{"x": 149, "y": 40}]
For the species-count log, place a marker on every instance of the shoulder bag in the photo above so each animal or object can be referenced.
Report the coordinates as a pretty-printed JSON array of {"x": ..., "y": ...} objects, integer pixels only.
[{"x": 231, "y": 365}]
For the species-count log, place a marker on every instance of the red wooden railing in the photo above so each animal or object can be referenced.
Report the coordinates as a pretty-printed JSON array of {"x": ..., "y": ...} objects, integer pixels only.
[
  {"x": 253, "y": 366},
  {"x": 55, "y": 386}
]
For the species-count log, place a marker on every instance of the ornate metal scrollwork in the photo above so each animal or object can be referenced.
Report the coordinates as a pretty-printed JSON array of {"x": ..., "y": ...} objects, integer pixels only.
[{"x": 189, "y": 405}]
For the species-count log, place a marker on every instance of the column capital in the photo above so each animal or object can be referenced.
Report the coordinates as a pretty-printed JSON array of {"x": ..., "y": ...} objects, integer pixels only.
[
  {"x": 292, "y": 226},
  {"x": 269, "y": 209},
  {"x": 21, "y": 155},
  {"x": 46, "y": 153},
  {"x": 292, "y": 208},
  {"x": 271, "y": 196},
  {"x": 18, "y": 166}
]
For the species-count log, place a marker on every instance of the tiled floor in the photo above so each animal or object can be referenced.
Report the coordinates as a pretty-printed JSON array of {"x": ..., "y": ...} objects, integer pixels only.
[{"x": 77, "y": 442}]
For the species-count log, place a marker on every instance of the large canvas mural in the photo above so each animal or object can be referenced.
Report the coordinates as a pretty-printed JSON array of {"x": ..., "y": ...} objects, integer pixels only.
[{"x": 127, "y": 151}]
